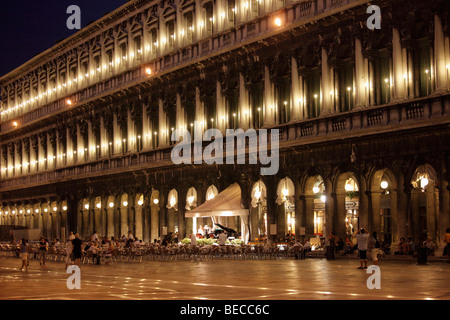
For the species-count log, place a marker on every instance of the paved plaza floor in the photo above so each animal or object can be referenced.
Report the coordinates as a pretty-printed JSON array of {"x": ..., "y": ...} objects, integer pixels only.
[{"x": 226, "y": 280}]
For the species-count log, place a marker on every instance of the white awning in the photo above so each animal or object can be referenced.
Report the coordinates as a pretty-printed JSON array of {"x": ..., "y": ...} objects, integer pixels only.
[{"x": 225, "y": 204}]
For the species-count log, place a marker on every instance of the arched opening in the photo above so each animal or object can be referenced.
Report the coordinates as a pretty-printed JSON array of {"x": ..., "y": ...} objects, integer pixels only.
[
  {"x": 258, "y": 212},
  {"x": 315, "y": 210},
  {"x": 191, "y": 226},
  {"x": 172, "y": 212},
  {"x": 286, "y": 208},
  {"x": 424, "y": 208}
]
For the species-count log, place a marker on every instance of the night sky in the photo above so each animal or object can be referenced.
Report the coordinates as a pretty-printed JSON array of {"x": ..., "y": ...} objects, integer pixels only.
[{"x": 29, "y": 27}]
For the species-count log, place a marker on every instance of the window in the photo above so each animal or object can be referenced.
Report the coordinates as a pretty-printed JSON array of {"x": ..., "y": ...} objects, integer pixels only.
[
  {"x": 170, "y": 27},
  {"x": 209, "y": 17},
  {"x": 138, "y": 48},
  {"x": 123, "y": 54},
  {"x": 109, "y": 55},
  {"x": 154, "y": 41},
  {"x": 231, "y": 12},
  {"x": 189, "y": 19}
]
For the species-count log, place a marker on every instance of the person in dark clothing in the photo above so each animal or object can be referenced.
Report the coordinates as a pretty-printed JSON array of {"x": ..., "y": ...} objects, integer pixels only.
[{"x": 77, "y": 243}]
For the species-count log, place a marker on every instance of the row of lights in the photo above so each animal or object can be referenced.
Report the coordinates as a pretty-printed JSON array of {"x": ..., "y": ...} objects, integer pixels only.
[
  {"x": 69, "y": 102},
  {"x": 36, "y": 210}
]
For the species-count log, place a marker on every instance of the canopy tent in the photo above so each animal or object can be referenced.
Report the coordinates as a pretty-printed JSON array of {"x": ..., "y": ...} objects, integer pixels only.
[{"x": 226, "y": 204}]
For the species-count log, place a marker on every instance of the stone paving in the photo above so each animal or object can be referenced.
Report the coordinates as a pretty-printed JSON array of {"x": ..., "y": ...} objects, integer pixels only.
[{"x": 227, "y": 280}]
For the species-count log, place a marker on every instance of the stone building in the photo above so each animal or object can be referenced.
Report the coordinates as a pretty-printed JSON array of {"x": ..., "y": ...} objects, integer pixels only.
[{"x": 363, "y": 119}]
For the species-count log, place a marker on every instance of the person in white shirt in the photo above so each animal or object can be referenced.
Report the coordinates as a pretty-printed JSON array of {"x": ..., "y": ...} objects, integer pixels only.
[
  {"x": 363, "y": 240},
  {"x": 222, "y": 238},
  {"x": 94, "y": 237}
]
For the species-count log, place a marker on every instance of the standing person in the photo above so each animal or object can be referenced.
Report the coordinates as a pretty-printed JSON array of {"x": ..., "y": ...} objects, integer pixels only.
[
  {"x": 363, "y": 238},
  {"x": 43, "y": 247},
  {"x": 76, "y": 249},
  {"x": 222, "y": 238},
  {"x": 94, "y": 236},
  {"x": 71, "y": 236},
  {"x": 130, "y": 236},
  {"x": 69, "y": 248},
  {"x": 24, "y": 254},
  {"x": 447, "y": 240},
  {"x": 374, "y": 247},
  {"x": 297, "y": 249}
]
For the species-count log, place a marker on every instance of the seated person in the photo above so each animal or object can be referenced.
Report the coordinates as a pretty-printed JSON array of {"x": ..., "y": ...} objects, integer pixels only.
[
  {"x": 412, "y": 246},
  {"x": 94, "y": 249},
  {"x": 429, "y": 244},
  {"x": 403, "y": 247}
]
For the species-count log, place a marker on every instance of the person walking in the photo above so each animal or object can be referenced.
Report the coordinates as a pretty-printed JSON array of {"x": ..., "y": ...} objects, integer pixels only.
[
  {"x": 374, "y": 247},
  {"x": 69, "y": 248},
  {"x": 24, "y": 254},
  {"x": 76, "y": 249},
  {"x": 363, "y": 238},
  {"x": 43, "y": 247}
]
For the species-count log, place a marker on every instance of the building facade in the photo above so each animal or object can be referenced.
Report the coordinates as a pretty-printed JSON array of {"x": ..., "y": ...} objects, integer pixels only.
[{"x": 363, "y": 118}]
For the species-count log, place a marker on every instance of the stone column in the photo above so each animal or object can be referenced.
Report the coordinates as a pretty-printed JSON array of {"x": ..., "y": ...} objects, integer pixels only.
[
  {"x": 375, "y": 212},
  {"x": 398, "y": 80},
  {"x": 331, "y": 208},
  {"x": 440, "y": 61},
  {"x": 181, "y": 213},
  {"x": 341, "y": 212},
  {"x": 326, "y": 105},
  {"x": 163, "y": 195},
  {"x": 271, "y": 186}
]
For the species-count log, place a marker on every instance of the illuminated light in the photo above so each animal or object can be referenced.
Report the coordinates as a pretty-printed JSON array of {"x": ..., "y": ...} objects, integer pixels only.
[
  {"x": 111, "y": 204},
  {"x": 86, "y": 206},
  {"x": 315, "y": 96},
  {"x": 148, "y": 71},
  {"x": 45, "y": 210},
  {"x": 426, "y": 71},
  {"x": 20, "y": 211},
  {"x": 125, "y": 203},
  {"x": 55, "y": 208},
  {"x": 155, "y": 133},
  {"x": 190, "y": 199},
  {"x": 98, "y": 205},
  {"x": 316, "y": 189},
  {"x": 349, "y": 88},
  {"x": 65, "y": 208},
  {"x": 69, "y": 102},
  {"x": 323, "y": 198},
  {"x": 424, "y": 182},
  {"x": 155, "y": 201},
  {"x": 386, "y": 80},
  {"x": 15, "y": 124},
  {"x": 140, "y": 202},
  {"x": 278, "y": 22},
  {"x": 384, "y": 184},
  {"x": 28, "y": 211},
  {"x": 349, "y": 187}
]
